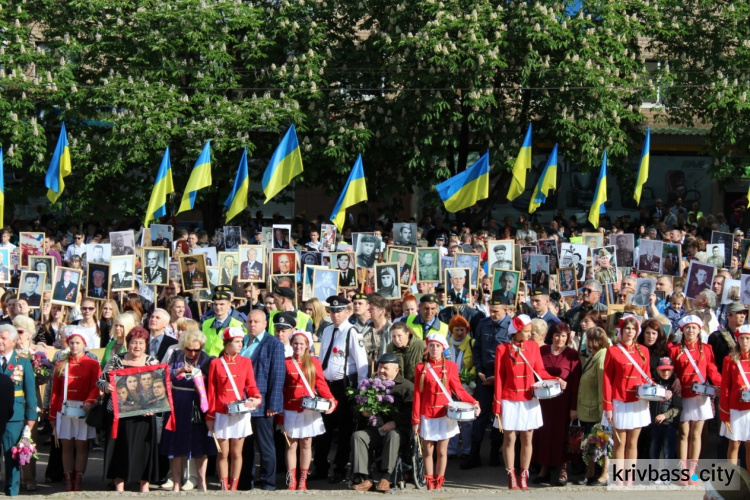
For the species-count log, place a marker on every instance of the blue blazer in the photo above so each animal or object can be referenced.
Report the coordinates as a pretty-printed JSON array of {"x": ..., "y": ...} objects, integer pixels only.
[
  {"x": 24, "y": 404},
  {"x": 270, "y": 372}
]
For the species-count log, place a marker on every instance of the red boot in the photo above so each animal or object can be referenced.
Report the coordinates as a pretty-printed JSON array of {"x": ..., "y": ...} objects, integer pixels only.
[
  {"x": 439, "y": 481},
  {"x": 233, "y": 483},
  {"x": 693, "y": 466},
  {"x": 302, "y": 480},
  {"x": 224, "y": 483},
  {"x": 68, "y": 481},
  {"x": 430, "y": 482},
  {"x": 291, "y": 479},
  {"x": 77, "y": 481},
  {"x": 681, "y": 466},
  {"x": 512, "y": 481},
  {"x": 524, "y": 479}
]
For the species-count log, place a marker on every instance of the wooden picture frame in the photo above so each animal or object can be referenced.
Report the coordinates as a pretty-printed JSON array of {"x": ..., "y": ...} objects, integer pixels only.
[{"x": 66, "y": 294}]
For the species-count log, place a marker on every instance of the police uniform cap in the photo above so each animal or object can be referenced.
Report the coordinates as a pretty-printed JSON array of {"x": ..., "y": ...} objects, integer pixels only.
[
  {"x": 360, "y": 296},
  {"x": 284, "y": 291},
  {"x": 284, "y": 320},
  {"x": 219, "y": 295},
  {"x": 224, "y": 288},
  {"x": 603, "y": 252},
  {"x": 368, "y": 238},
  {"x": 498, "y": 299},
  {"x": 539, "y": 291},
  {"x": 430, "y": 297},
  {"x": 336, "y": 303},
  {"x": 191, "y": 260}
]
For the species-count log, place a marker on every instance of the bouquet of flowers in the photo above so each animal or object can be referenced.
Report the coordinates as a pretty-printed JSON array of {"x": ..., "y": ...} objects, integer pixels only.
[
  {"x": 598, "y": 445},
  {"x": 468, "y": 380},
  {"x": 24, "y": 451},
  {"x": 374, "y": 397},
  {"x": 42, "y": 367}
]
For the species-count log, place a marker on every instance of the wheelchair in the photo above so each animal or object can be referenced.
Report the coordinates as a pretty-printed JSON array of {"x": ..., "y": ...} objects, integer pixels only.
[{"x": 409, "y": 465}]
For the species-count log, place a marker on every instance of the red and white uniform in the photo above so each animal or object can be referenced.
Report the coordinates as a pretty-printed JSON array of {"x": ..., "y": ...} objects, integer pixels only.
[
  {"x": 732, "y": 409},
  {"x": 83, "y": 373},
  {"x": 694, "y": 406},
  {"x": 299, "y": 422},
  {"x": 620, "y": 386},
  {"x": 221, "y": 393}
]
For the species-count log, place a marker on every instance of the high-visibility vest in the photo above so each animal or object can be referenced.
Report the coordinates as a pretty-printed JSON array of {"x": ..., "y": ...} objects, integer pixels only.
[
  {"x": 302, "y": 319},
  {"x": 438, "y": 327},
  {"x": 214, "y": 343}
]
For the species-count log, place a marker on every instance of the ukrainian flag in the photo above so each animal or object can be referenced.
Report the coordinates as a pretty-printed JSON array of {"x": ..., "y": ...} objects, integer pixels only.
[
  {"x": 157, "y": 204},
  {"x": 465, "y": 189},
  {"x": 600, "y": 197},
  {"x": 523, "y": 164},
  {"x": 285, "y": 165},
  {"x": 2, "y": 189},
  {"x": 643, "y": 167},
  {"x": 237, "y": 201},
  {"x": 354, "y": 192},
  {"x": 547, "y": 181},
  {"x": 200, "y": 178},
  {"x": 59, "y": 168}
]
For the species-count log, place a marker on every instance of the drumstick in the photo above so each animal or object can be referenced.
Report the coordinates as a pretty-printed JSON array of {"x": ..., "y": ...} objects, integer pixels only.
[
  {"x": 729, "y": 428},
  {"x": 216, "y": 440},
  {"x": 288, "y": 443}
]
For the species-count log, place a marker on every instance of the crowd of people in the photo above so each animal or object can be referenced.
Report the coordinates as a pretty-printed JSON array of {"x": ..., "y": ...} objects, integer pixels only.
[{"x": 475, "y": 331}]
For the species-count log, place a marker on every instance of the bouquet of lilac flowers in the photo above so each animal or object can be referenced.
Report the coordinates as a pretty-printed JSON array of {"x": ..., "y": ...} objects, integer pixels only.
[
  {"x": 42, "y": 367},
  {"x": 24, "y": 451},
  {"x": 374, "y": 397}
]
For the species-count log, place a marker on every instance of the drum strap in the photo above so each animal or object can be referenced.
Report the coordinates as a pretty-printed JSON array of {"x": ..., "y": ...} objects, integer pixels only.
[
  {"x": 742, "y": 373},
  {"x": 695, "y": 366},
  {"x": 637, "y": 366},
  {"x": 231, "y": 379},
  {"x": 65, "y": 387},
  {"x": 439, "y": 383},
  {"x": 538, "y": 378},
  {"x": 304, "y": 379}
]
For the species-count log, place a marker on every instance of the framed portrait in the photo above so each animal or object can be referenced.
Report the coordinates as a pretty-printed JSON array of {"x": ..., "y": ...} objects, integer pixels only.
[
  {"x": 700, "y": 277},
  {"x": 232, "y": 237},
  {"x": 44, "y": 265},
  {"x": 97, "y": 283},
  {"x": 505, "y": 286},
  {"x": 731, "y": 292},
  {"x": 229, "y": 265},
  {"x": 574, "y": 256},
  {"x": 447, "y": 261},
  {"x": 213, "y": 274},
  {"x": 161, "y": 236},
  {"x": 367, "y": 249},
  {"x": 31, "y": 288},
  {"x": 386, "y": 280},
  {"x": 324, "y": 282},
  {"x": 624, "y": 244},
  {"x": 726, "y": 239},
  {"x": 15, "y": 264},
  {"x": 121, "y": 273},
  {"x": 592, "y": 240},
  {"x": 141, "y": 390},
  {"x": 470, "y": 261},
  {"x": 155, "y": 266},
  {"x": 252, "y": 263},
  {"x": 267, "y": 238},
  {"x": 671, "y": 259},
  {"x": 5, "y": 266},
  {"x": 745, "y": 289},
  {"x": 98, "y": 253},
  {"x": 567, "y": 281},
  {"x": 715, "y": 255},
  {"x": 457, "y": 282},
  {"x": 540, "y": 272},
  {"x": 549, "y": 248},
  {"x": 285, "y": 280},
  {"x": 283, "y": 262},
  {"x": 310, "y": 258},
  {"x": 605, "y": 268},
  {"x": 193, "y": 272},
  {"x": 644, "y": 288},
  {"x": 212, "y": 257},
  {"x": 174, "y": 270},
  {"x": 405, "y": 262},
  {"x": 307, "y": 281},
  {"x": 405, "y": 234},
  {"x": 428, "y": 265},
  {"x": 649, "y": 255},
  {"x": 66, "y": 286},
  {"x": 31, "y": 244},
  {"x": 328, "y": 237},
  {"x": 122, "y": 242},
  {"x": 526, "y": 253},
  {"x": 553, "y": 285},
  {"x": 500, "y": 255},
  {"x": 344, "y": 263},
  {"x": 281, "y": 235}
]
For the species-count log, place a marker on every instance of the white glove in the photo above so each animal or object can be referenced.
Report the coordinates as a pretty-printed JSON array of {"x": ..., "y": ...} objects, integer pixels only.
[{"x": 26, "y": 432}]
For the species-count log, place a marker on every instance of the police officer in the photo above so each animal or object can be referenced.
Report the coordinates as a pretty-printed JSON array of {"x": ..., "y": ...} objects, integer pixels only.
[
  {"x": 284, "y": 298},
  {"x": 427, "y": 322},
  {"x": 344, "y": 361}
]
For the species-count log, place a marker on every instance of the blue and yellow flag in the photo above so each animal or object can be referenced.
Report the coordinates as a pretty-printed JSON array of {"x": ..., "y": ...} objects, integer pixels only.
[
  {"x": 354, "y": 192},
  {"x": 2, "y": 189},
  {"x": 465, "y": 189},
  {"x": 600, "y": 196},
  {"x": 157, "y": 204},
  {"x": 547, "y": 181},
  {"x": 200, "y": 178},
  {"x": 523, "y": 164},
  {"x": 237, "y": 200},
  {"x": 285, "y": 165},
  {"x": 59, "y": 168},
  {"x": 643, "y": 167}
]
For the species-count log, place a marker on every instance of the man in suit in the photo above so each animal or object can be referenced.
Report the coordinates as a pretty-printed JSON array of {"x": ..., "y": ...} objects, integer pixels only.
[
  {"x": 160, "y": 240},
  {"x": 154, "y": 274},
  {"x": 458, "y": 292},
  {"x": 280, "y": 240},
  {"x": 65, "y": 289},
  {"x": 623, "y": 254},
  {"x": 251, "y": 269},
  {"x": 97, "y": 289},
  {"x": 540, "y": 278},
  {"x": 123, "y": 279},
  {"x": 505, "y": 293},
  {"x": 159, "y": 341},
  {"x": 193, "y": 279},
  {"x": 227, "y": 272},
  {"x": 347, "y": 277},
  {"x": 267, "y": 354},
  {"x": 97, "y": 255},
  {"x": 649, "y": 262},
  {"x": 24, "y": 404},
  {"x": 119, "y": 247},
  {"x": 327, "y": 285},
  {"x": 28, "y": 293},
  {"x": 580, "y": 268}
]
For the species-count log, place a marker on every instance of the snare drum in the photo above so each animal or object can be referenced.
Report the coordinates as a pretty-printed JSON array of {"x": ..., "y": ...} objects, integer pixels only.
[
  {"x": 238, "y": 408},
  {"x": 316, "y": 404},
  {"x": 547, "y": 389},
  {"x": 73, "y": 409},
  {"x": 745, "y": 396},
  {"x": 704, "y": 389},
  {"x": 652, "y": 392},
  {"x": 463, "y": 412}
]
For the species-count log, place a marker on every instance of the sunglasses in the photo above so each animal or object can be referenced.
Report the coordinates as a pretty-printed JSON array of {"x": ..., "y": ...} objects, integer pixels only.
[
  {"x": 79, "y": 237},
  {"x": 88, "y": 308},
  {"x": 588, "y": 290},
  {"x": 192, "y": 350}
]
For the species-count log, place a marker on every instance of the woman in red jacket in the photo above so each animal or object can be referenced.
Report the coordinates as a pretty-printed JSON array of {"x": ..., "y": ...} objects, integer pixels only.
[
  {"x": 516, "y": 408},
  {"x": 430, "y": 407},
  {"x": 696, "y": 408},
  {"x": 301, "y": 425},
  {"x": 230, "y": 429},
  {"x": 80, "y": 373},
  {"x": 622, "y": 408},
  {"x": 735, "y": 413}
]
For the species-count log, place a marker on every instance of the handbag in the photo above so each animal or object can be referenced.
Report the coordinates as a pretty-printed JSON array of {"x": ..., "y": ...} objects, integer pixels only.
[
  {"x": 573, "y": 439},
  {"x": 197, "y": 416},
  {"x": 95, "y": 416}
]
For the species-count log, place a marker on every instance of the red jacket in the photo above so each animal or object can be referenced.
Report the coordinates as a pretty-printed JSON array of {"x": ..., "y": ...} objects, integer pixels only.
[
  {"x": 429, "y": 401},
  {"x": 621, "y": 378},
  {"x": 732, "y": 385},
  {"x": 294, "y": 388},
  {"x": 83, "y": 372},
  {"x": 684, "y": 369},
  {"x": 513, "y": 377},
  {"x": 220, "y": 392}
]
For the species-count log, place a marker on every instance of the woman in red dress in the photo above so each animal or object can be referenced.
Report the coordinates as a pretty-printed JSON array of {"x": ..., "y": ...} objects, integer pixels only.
[
  {"x": 430, "y": 407},
  {"x": 735, "y": 411},
  {"x": 517, "y": 411}
]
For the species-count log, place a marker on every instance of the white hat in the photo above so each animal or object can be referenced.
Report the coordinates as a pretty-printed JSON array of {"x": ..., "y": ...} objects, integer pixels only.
[
  {"x": 519, "y": 323},
  {"x": 305, "y": 334},
  {"x": 76, "y": 332},
  {"x": 743, "y": 330},
  {"x": 439, "y": 338},
  {"x": 690, "y": 319},
  {"x": 233, "y": 332}
]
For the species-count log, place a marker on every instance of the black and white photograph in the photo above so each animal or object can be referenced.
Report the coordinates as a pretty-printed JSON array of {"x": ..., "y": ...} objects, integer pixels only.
[
  {"x": 252, "y": 263},
  {"x": 671, "y": 259},
  {"x": 405, "y": 261},
  {"x": 505, "y": 286},
  {"x": 232, "y": 237},
  {"x": 605, "y": 265},
  {"x": 700, "y": 277},
  {"x": 745, "y": 289},
  {"x": 592, "y": 240},
  {"x": 367, "y": 248},
  {"x": 283, "y": 262},
  {"x": 267, "y": 238},
  {"x": 328, "y": 237},
  {"x": 526, "y": 253},
  {"x": 141, "y": 390},
  {"x": 310, "y": 258},
  {"x": 624, "y": 248},
  {"x": 726, "y": 239},
  {"x": 457, "y": 285},
  {"x": 155, "y": 266},
  {"x": 212, "y": 256},
  {"x": 174, "y": 270},
  {"x": 161, "y": 236},
  {"x": 44, "y": 265},
  {"x": 731, "y": 292},
  {"x": 566, "y": 281},
  {"x": 470, "y": 261},
  {"x": 66, "y": 286},
  {"x": 123, "y": 242},
  {"x": 229, "y": 265},
  {"x": 121, "y": 273},
  {"x": 540, "y": 271},
  {"x": 428, "y": 265},
  {"x": 281, "y": 235},
  {"x": 31, "y": 288},
  {"x": 447, "y": 261},
  {"x": 344, "y": 263},
  {"x": 572, "y": 255},
  {"x": 97, "y": 284},
  {"x": 193, "y": 272},
  {"x": 715, "y": 255},
  {"x": 386, "y": 280},
  {"x": 499, "y": 255},
  {"x": 5, "y": 265},
  {"x": 405, "y": 234},
  {"x": 325, "y": 283},
  {"x": 98, "y": 253},
  {"x": 549, "y": 248},
  {"x": 649, "y": 255},
  {"x": 213, "y": 274},
  {"x": 644, "y": 288}
]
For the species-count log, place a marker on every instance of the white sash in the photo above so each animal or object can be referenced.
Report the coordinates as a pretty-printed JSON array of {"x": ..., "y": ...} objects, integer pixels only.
[
  {"x": 65, "y": 387},
  {"x": 304, "y": 379},
  {"x": 518, "y": 350},
  {"x": 695, "y": 366},
  {"x": 439, "y": 382},
  {"x": 742, "y": 373},
  {"x": 231, "y": 379},
  {"x": 637, "y": 366}
]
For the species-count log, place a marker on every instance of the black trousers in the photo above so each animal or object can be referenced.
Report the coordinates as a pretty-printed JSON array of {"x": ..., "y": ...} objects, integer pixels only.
[
  {"x": 485, "y": 396},
  {"x": 341, "y": 419},
  {"x": 262, "y": 441}
]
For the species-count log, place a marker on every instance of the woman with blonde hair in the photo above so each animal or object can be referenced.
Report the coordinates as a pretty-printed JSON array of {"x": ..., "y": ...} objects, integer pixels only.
[
  {"x": 176, "y": 306},
  {"x": 109, "y": 311},
  {"x": 47, "y": 332},
  {"x": 121, "y": 326},
  {"x": 317, "y": 311}
]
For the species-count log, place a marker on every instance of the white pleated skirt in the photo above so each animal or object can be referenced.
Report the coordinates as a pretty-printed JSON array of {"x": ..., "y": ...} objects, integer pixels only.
[
  {"x": 520, "y": 415},
  {"x": 628, "y": 416},
  {"x": 303, "y": 424},
  {"x": 739, "y": 421},
  {"x": 697, "y": 408},
  {"x": 73, "y": 428},
  {"x": 437, "y": 429},
  {"x": 232, "y": 426}
]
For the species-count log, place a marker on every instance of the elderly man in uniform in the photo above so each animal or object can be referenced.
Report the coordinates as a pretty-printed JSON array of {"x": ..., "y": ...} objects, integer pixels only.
[
  {"x": 344, "y": 361},
  {"x": 604, "y": 272},
  {"x": 389, "y": 435}
]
